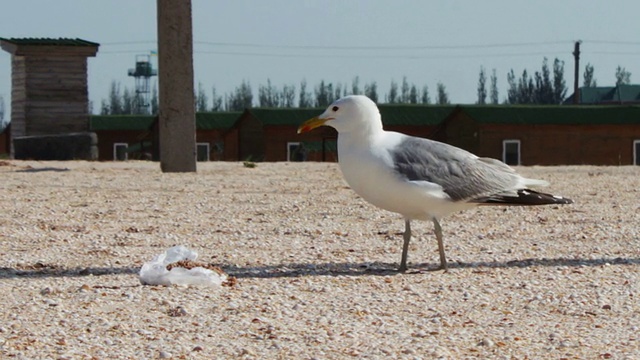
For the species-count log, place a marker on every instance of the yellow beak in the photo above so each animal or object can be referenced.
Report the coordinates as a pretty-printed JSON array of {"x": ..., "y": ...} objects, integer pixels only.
[{"x": 312, "y": 124}]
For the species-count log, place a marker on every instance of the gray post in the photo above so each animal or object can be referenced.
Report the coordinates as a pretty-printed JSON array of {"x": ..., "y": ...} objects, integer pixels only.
[
  {"x": 177, "y": 124},
  {"x": 576, "y": 73}
]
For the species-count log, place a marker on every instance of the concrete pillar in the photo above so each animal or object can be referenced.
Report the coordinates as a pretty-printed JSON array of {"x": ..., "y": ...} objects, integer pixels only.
[{"x": 176, "y": 96}]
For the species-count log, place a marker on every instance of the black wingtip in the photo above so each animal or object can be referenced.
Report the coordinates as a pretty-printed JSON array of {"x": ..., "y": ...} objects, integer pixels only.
[
  {"x": 562, "y": 200},
  {"x": 526, "y": 197}
]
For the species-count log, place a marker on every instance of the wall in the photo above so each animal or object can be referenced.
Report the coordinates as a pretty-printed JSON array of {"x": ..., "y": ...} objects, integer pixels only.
[
  {"x": 69, "y": 146},
  {"x": 49, "y": 95},
  {"x": 215, "y": 140},
  {"x": 251, "y": 139},
  {"x": 563, "y": 144},
  {"x": 5, "y": 141},
  {"x": 279, "y": 136},
  {"x": 106, "y": 139},
  {"x": 231, "y": 146},
  {"x": 458, "y": 130},
  {"x": 18, "y": 96},
  {"x": 276, "y": 140},
  {"x": 423, "y": 131}
]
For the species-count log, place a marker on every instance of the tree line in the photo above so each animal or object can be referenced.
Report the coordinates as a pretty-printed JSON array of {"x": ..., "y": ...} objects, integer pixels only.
[
  {"x": 545, "y": 86},
  {"x": 125, "y": 101}
]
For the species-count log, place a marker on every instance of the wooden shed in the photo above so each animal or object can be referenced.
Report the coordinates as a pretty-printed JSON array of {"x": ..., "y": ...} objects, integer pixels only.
[{"x": 49, "y": 85}]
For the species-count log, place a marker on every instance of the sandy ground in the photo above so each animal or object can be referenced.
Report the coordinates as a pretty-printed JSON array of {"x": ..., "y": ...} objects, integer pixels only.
[{"x": 314, "y": 265}]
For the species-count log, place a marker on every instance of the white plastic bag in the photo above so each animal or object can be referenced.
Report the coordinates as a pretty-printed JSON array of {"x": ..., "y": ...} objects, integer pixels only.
[{"x": 155, "y": 272}]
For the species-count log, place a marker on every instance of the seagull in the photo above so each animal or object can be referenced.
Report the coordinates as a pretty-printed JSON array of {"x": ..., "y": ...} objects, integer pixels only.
[{"x": 418, "y": 178}]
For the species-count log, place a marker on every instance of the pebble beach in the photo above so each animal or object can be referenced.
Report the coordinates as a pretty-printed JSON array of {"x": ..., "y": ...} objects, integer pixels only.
[{"x": 314, "y": 267}]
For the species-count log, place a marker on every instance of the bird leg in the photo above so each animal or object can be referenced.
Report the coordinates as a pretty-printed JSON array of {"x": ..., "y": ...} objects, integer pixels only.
[
  {"x": 443, "y": 258},
  {"x": 405, "y": 246}
]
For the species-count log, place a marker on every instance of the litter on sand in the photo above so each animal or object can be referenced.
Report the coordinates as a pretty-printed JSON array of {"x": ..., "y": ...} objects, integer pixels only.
[{"x": 178, "y": 266}]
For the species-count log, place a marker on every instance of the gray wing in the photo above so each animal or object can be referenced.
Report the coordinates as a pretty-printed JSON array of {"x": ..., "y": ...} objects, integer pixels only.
[{"x": 462, "y": 175}]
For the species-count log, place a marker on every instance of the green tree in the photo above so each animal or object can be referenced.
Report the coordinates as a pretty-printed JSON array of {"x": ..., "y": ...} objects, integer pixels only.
[
  {"x": 216, "y": 100},
  {"x": 113, "y": 106},
  {"x": 337, "y": 92},
  {"x": 324, "y": 94},
  {"x": 201, "y": 99},
  {"x": 623, "y": 77},
  {"x": 288, "y": 96},
  {"x": 305, "y": 98},
  {"x": 104, "y": 107},
  {"x": 526, "y": 89},
  {"x": 587, "y": 78},
  {"x": 413, "y": 94},
  {"x": 404, "y": 91},
  {"x": 559, "y": 84},
  {"x": 512, "y": 91},
  {"x": 241, "y": 98},
  {"x": 127, "y": 102},
  {"x": 493, "y": 92},
  {"x": 371, "y": 91},
  {"x": 442, "y": 97},
  {"x": 355, "y": 86},
  {"x": 482, "y": 87},
  {"x": 424, "y": 96},
  {"x": 392, "y": 96},
  {"x": 268, "y": 96},
  {"x": 544, "y": 92},
  {"x": 538, "y": 89}
]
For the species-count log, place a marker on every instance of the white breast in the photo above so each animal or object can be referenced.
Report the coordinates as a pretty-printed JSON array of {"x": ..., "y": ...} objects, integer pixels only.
[{"x": 368, "y": 168}]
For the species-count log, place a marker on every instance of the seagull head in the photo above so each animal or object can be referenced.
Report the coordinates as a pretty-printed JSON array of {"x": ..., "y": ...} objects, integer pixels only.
[{"x": 348, "y": 114}]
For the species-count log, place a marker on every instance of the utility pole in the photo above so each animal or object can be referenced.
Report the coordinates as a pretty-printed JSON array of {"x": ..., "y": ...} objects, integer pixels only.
[
  {"x": 576, "y": 75},
  {"x": 1, "y": 111},
  {"x": 177, "y": 118}
]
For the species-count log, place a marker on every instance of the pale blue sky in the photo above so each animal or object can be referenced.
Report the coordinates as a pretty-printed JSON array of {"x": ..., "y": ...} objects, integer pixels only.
[{"x": 287, "y": 40}]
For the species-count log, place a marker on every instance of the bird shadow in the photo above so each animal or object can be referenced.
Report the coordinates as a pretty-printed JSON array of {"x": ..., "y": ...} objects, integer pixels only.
[
  {"x": 44, "y": 169},
  {"x": 40, "y": 270},
  {"x": 292, "y": 270},
  {"x": 386, "y": 269}
]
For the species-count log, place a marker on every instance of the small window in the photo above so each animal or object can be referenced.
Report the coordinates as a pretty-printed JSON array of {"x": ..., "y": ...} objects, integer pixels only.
[
  {"x": 511, "y": 152},
  {"x": 636, "y": 152},
  {"x": 292, "y": 147},
  {"x": 296, "y": 152},
  {"x": 120, "y": 151},
  {"x": 202, "y": 151}
]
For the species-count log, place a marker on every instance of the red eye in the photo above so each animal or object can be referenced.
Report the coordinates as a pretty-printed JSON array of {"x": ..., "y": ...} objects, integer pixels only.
[{"x": 335, "y": 108}]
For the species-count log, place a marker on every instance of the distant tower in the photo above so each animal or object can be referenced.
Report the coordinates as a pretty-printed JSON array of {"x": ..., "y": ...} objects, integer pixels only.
[{"x": 143, "y": 73}]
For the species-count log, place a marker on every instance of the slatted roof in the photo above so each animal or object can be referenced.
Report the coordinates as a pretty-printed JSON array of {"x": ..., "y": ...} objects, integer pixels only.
[
  {"x": 553, "y": 114},
  {"x": 121, "y": 122},
  {"x": 216, "y": 120},
  {"x": 48, "y": 46},
  {"x": 411, "y": 115},
  {"x": 50, "y": 41},
  {"x": 392, "y": 114},
  {"x": 204, "y": 121}
]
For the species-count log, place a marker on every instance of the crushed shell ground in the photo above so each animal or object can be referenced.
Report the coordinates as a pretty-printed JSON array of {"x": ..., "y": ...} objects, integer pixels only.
[{"x": 314, "y": 266}]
